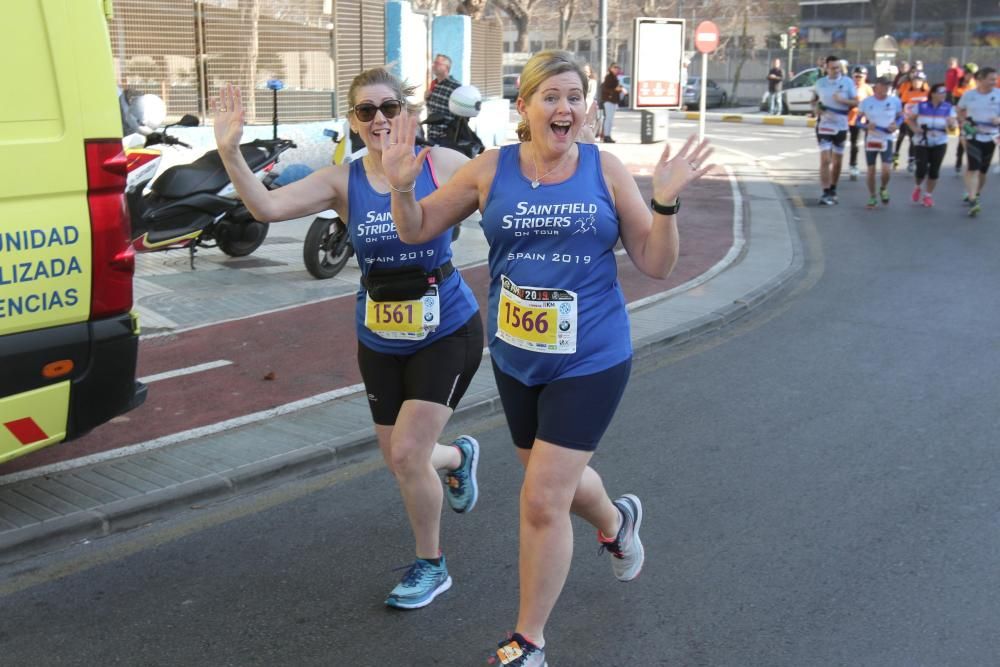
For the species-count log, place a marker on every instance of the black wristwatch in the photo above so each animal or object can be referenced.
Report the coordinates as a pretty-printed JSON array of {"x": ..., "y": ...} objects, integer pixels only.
[{"x": 666, "y": 210}]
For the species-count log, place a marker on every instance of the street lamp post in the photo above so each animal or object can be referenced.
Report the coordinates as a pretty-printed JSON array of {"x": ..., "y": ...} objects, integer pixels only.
[{"x": 968, "y": 35}]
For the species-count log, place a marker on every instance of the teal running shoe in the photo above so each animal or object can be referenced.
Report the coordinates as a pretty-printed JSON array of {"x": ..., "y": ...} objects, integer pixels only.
[
  {"x": 422, "y": 583},
  {"x": 516, "y": 651},
  {"x": 461, "y": 484}
]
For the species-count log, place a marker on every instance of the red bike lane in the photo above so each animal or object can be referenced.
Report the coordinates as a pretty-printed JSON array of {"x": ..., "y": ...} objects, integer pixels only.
[{"x": 281, "y": 357}]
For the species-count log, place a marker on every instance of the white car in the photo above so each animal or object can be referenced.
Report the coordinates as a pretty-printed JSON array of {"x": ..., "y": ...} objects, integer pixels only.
[{"x": 797, "y": 94}]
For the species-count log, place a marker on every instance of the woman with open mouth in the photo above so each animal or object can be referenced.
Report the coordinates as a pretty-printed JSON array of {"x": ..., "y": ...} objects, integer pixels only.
[
  {"x": 553, "y": 210},
  {"x": 420, "y": 337}
]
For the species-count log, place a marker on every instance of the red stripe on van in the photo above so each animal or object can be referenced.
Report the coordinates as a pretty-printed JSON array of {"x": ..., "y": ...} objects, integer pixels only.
[{"x": 26, "y": 431}]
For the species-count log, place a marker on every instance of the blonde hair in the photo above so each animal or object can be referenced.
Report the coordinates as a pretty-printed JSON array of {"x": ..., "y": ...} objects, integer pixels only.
[
  {"x": 380, "y": 76},
  {"x": 540, "y": 67}
]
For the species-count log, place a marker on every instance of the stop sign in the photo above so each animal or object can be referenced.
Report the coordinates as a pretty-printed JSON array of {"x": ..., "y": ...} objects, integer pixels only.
[{"x": 706, "y": 37}]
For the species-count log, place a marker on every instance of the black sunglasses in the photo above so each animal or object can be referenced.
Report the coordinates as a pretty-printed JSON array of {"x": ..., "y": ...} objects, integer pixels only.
[{"x": 366, "y": 110}]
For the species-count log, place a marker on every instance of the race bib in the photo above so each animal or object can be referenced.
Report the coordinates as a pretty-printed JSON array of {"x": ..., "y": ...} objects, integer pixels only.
[
  {"x": 828, "y": 124},
  {"x": 875, "y": 145},
  {"x": 538, "y": 319},
  {"x": 404, "y": 320}
]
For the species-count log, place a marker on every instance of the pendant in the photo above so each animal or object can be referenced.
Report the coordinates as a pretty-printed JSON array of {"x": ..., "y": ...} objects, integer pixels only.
[{"x": 534, "y": 185}]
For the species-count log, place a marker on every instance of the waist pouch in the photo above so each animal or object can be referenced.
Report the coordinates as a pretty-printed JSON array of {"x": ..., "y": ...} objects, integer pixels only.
[{"x": 403, "y": 283}]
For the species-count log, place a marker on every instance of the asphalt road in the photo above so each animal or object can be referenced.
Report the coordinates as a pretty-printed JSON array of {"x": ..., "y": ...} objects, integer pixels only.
[{"x": 819, "y": 483}]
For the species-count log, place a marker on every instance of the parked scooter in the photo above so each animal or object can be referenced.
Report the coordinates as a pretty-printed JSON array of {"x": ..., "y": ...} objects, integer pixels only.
[
  {"x": 195, "y": 205},
  {"x": 328, "y": 244}
]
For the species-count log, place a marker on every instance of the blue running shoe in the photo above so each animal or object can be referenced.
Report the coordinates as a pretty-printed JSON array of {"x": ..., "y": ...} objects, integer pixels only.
[
  {"x": 463, "y": 489},
  {"x": 422, "y": 583},
  {"x": 517, "y": 651}
]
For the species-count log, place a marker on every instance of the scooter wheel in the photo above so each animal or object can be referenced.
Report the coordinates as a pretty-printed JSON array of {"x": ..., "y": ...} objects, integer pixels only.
[
  {"x": 327, "y": 248},
  {"x": 239, "y": 239}
]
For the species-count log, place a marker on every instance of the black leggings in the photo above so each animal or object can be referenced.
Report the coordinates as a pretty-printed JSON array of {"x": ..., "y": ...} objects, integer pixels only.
[
  {"x": 958, "y": 154},
  {"x": 904, "y": 132},
  {"x": 929, "y": 160},
  {"x": 855, "y": 131}
]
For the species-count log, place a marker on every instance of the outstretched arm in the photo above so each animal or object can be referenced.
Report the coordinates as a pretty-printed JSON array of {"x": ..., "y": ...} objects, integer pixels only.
[
  {"x": 419, "y": 222},
  {"x": 650, "y": 238},
  {"x": 314, "y": 193}
]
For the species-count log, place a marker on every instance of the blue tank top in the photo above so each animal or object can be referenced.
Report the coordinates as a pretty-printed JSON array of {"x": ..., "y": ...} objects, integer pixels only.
[
  {"x": 560, "y": 236},
  {"x": 377, "y": 245}
]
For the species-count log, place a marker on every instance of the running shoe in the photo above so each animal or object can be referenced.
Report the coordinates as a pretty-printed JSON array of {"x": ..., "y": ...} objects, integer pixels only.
[
  {"x": 928, "y": 201},
  {"x": 958, "y": 170},
  {"x": 422, "y": 583},
  {"x": 854, "y": 173},
  {"x": 516, "y": 651},
  {"x": 872, "y": 202},
  {"x": 895, "y": 162},
  {"x": 826, "y": 199},
  {"x": 461, "y": 484},
  {"x": 884, "y": 196},
  {"x": 975, "y": 208},
  {"x": 626, "y": 547},
  {"x": 916, "y": 195},
  {"x": 966, "y": 201},
  {"x": 833, "y": 196},
  {"x": 911, "y": 166}
]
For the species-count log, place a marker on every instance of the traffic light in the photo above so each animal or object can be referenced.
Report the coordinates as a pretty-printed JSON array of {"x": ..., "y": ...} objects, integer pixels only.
[{"x": 793, "y": 36}]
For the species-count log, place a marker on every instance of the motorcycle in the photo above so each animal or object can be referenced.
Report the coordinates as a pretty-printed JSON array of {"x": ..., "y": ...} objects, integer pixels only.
[
  {"x": 328, "y": 245},
  {"x": 195, "y": 205}
]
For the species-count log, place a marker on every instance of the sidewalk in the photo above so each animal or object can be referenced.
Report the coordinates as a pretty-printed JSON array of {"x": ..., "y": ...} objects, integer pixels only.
[{"x": 43, "y": 512}]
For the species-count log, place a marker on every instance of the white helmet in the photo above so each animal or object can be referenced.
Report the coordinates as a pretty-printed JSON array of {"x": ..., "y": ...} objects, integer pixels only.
[{"x": 465, "y": 101}]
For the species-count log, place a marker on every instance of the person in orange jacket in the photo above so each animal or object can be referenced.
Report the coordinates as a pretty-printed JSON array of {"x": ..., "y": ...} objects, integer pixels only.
[
  {"x": 911, "y": 93},
  {"x": 860, "y": 76}
]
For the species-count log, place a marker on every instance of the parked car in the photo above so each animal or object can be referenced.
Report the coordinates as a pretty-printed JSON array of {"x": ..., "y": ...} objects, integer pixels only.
[
  {"x": 511, "y": 85},
  {"x": 797, "y": 94},
  {"x": 715, "y": 96},
  {"x": 626, "y": 82}
]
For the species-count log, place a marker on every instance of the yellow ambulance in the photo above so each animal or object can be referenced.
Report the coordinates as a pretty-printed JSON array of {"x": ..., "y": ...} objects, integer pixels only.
[{"x": 68, "y": 339}]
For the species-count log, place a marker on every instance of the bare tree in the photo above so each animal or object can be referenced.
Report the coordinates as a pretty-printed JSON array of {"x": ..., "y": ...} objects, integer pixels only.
[
  {"x": 566, "y": 10},
  {"x": 519, "y": 12},
  {"x": 472, "y": 8}
]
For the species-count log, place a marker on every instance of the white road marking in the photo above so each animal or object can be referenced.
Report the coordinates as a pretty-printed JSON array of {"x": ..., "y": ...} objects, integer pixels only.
[{"x": 190, "y": 370}]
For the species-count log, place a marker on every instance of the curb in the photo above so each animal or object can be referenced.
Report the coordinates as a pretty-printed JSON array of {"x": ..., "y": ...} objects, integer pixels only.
[{"x": 755, "y": 119}]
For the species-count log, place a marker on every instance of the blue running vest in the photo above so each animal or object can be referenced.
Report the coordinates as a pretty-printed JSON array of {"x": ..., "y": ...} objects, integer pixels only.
[
  {"x": 377, "y": 245},
  {"x": 559, "y": 236}
]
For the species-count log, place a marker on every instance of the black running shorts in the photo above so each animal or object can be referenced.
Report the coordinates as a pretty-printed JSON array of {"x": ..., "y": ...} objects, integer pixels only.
[
  {"x": 980, "y": 154},
  {"x": 572, "y": 412},
  {"x": 439, "y": 373}
]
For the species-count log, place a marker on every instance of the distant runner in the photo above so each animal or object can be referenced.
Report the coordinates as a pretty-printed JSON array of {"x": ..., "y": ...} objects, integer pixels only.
[
  {"x": 979, "y": 114},
  {"x": 883, "y": 114},
  {"x": 833, "y": 97}
]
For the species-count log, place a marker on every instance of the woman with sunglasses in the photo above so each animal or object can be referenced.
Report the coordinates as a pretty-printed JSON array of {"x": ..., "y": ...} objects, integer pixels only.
[
  {"x": 420, "y": 337},
  {"x": 929, "y": 123},
  {"x": 553, "y": 211}
]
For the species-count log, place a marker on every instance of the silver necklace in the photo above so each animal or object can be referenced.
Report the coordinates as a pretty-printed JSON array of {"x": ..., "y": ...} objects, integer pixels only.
[{"x": 535, "y": 183}]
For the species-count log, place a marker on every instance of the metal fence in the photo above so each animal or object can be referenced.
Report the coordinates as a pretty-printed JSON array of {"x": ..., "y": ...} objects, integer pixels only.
[
  {"x": 184, "y": 50},
  {"x": 487, "y": 57}
]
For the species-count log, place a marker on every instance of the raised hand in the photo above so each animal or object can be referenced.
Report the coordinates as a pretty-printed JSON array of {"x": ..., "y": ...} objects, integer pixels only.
[
  {"x": 227, "y": 117},
  {"x": 400, "y": 165},
  {"x": 672, "y": 175}
]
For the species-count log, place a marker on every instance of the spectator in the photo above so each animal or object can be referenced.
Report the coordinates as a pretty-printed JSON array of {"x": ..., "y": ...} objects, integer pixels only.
[
  {"x": 438, "y": 94},
  {"x": 774, "y": 80},
  {"x": 952, "y": 77},
  {"x": 611, "y": 90},
  {"x": 902, "y": 74}
]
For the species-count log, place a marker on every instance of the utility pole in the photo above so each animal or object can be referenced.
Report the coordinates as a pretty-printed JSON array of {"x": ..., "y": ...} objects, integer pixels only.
[{"x": 604, "y": 38}]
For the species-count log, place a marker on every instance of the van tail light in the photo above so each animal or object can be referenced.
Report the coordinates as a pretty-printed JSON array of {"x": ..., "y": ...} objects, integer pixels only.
[{"x": 113, "y": 256}]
